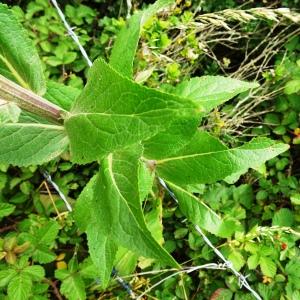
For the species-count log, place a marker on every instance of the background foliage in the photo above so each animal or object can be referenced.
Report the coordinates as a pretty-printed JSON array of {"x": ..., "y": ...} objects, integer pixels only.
[{"x": 44, "y": 255}]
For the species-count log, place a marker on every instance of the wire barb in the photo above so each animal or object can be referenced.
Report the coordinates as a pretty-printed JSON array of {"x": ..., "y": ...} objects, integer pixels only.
[{"x": 242, "y": 279}]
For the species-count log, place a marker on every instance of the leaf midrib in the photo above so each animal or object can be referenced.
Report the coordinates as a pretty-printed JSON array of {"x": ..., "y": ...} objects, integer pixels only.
[
  {"x": 195, "y": 198},
  {"x": 39, "y": 125},
  {"x": 162, "y": 161},
  {"x": 14, "y": 72}
]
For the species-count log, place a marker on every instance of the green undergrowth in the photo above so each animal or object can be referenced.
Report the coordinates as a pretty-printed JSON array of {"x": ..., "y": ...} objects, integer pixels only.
[{"x": 43, "y": 253}]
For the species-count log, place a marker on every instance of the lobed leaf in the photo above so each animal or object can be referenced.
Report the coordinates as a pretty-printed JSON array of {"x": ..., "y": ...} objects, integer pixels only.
[{"x": 19, "y": 60}]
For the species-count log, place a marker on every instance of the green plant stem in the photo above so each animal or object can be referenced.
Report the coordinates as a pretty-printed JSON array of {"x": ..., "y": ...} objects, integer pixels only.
[{"x": 29, "y": 101}]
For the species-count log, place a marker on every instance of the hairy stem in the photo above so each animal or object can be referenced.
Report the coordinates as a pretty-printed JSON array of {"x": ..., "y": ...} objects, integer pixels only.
[{"x": 27, "y": 100}]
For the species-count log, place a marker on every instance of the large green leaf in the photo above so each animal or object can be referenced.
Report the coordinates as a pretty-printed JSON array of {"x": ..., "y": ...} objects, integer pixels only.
[
  {"x": 102, "y": 248},
  {"x": 30, "y": 144},
  {"x": 211, "y": 91},
  {"x": 196, "y": 210},
  {"x": 206, "y": 160},
  {"x": 125, "y": 46},
  {"x": 113, "y": 202},
  {"x": 168, "y": 142},
  {"x": 113, "y": 112},
  {"x": 18, "y": 57}
]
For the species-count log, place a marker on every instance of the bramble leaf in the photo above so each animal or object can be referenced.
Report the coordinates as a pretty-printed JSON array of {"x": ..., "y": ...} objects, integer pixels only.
[
  {"x": 268, "y": 266},
  {"x": 6, "y": 276},
  {"x": 19, "y": 60},
  {"x": 19, "y": 287},
  {"x": 35, "y": 272},
  {"x": 206, "y": 160},
  {"x": 41, "y": 241},
  {"x": 6, "y": 209},
  {"x": 114, "y": 112},
  {"x": 72, "y": 286},
  {"x": 31, "y": 144}
]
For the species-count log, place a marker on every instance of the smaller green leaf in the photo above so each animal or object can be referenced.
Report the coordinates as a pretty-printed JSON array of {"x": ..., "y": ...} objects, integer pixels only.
[
  {"x": 211, "y": 91},
  {"x": 125, "y": 46},
  {"x": 19, "y": 287},
  {"x": 43, "y": 254},
  {"x": 292, "y": 87},
  {"x": 237, "y": 259},
  {"x": 283, "y": 217},
  {"x": 6, "y": 276},
  {"x": 47, "y": 234},
  {"x": 9, "y": 112},
  {"x": 125, "y": 261},
  {"x": 253, "y": 261},
  {"x": 268, "y": 266},
  {"x": 88, "y": 269},
  {"x": 72, "y": 286},
  {"x": 6, "y": 209},
  {"x": 36, "y": 272},
  {"x": 62, "y": 95},
  {"x": 62, "y": 274}
]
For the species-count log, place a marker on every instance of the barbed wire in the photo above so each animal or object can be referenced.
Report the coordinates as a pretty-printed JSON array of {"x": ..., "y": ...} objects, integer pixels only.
[
  {"x": 57, "y": 189},
  {"x": 72, "y": 33},
  {"x": 242, "y": 279}
]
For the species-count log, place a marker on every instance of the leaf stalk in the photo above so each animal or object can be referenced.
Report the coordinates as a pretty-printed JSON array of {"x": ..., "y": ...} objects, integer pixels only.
[{"x": 29, "y": 101}]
